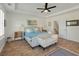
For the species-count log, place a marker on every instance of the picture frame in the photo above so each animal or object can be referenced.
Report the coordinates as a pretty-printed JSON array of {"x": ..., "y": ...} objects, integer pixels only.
[{"x": 32, "y": 22}]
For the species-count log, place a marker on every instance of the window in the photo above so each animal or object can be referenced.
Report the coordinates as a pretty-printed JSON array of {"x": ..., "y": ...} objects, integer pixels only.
[
  {"x": 72, "y": 23},
  {"x": 1, "y": 23}
]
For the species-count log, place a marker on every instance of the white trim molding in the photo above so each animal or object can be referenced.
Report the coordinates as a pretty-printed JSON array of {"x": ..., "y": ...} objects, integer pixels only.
[{"x": 64, "y": 11}]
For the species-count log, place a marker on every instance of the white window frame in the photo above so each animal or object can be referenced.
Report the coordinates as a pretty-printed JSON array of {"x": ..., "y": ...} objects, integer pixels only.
[{"x": 1, "y": 23}]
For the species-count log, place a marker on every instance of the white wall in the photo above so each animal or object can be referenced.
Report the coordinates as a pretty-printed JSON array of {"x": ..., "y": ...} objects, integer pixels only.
[
  {"x": 67, "y": 32},
  {"x": 16, "y": 20}
]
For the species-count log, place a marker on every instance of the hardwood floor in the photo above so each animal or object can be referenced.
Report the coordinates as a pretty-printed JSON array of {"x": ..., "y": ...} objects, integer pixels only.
[
  {"x": 71, "y": 45},
  {"x": 22, "y": 48}
]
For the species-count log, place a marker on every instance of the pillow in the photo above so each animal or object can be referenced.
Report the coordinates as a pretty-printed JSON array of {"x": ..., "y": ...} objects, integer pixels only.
[
  {"x": 28, "y": 30},
  {"x": 55, "y": 36},
  {"x": 49, "y": 32},
  {"x": 31, "y": 29},
  {"x": 36, "y": 29}
]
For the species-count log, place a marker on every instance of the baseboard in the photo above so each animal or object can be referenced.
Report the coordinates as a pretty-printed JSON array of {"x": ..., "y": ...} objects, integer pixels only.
[
  {"x": 69, "y": 40},
  {"x": 73, "y": 40}
]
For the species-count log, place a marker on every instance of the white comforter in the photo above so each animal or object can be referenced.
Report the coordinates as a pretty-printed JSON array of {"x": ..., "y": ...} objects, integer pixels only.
[{"x": 46, "y": 40}]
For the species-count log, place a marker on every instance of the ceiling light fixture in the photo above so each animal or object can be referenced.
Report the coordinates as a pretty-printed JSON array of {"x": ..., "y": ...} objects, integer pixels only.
[{"x": 46, "y": 11}]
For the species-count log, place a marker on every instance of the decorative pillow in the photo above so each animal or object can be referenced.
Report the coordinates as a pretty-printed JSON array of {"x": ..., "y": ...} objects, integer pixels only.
[
  {"x": 28, "y": 30},
  {"x": 49, "y": 32},
  {"x": 31, "y": 29},
  {"x": 55, "y": 36},
  {"x": 36, "y": 29}
]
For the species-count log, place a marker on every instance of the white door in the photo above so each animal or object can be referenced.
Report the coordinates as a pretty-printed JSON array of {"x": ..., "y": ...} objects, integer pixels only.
[{"x": 62, "y": 29}]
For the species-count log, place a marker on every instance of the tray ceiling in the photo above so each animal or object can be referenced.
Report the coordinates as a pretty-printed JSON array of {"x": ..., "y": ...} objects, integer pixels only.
[{"x": 31, "y": 8}]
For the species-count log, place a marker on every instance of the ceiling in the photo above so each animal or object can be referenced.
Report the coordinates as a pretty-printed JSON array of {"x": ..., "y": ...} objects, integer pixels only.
[{"x": 31, "y": 8}]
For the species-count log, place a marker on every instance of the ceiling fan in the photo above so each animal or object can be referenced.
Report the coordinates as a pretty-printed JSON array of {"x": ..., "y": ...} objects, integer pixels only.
[{"x": 46, "y": 8}]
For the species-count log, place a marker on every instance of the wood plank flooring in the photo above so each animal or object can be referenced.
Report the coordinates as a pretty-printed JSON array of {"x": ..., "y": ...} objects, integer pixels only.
[{"x": 22, "y": 48}]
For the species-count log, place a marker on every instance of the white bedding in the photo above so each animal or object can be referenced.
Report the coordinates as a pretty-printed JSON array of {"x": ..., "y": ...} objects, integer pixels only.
[
  {"x": 44, "y": 36},
  {"x": 42, "y": 39},
  {"x": 46, "y": 40},
  {"x": 33, "y": 42}
]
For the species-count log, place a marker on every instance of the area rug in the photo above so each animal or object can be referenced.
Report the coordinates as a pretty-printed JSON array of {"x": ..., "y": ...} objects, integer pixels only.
[{"x": 62, "y": 52}]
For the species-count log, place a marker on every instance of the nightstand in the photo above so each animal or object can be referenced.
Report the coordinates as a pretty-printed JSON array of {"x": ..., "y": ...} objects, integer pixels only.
[
  {"x": 18, "y": 35},
  {"x": 44, "y": 30}
]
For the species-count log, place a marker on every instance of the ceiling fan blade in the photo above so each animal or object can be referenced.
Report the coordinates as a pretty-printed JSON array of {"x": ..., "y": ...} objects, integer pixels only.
[
  {"x": 46, "y": 5},
  {"x": 51, "y": 7},
  {"x": 49, "y": 10},
  {"x": 42, "y": 11},
  {"x": 40, "y": 8}
]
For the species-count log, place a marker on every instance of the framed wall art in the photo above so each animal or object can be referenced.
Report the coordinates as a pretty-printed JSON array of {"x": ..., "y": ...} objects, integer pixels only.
[{"x": 32, "y": 22}]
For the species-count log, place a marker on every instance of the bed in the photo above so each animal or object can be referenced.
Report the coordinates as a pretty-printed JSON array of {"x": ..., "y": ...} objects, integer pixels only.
[{"x": 35, "y": 38}]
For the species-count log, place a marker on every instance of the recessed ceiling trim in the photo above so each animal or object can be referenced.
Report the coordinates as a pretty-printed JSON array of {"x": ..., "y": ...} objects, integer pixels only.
[{"x": 64, "y": 11}]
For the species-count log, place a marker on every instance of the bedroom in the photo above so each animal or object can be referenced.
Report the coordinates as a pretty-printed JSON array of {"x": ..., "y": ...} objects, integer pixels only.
[{"x": 21, "y": 18}]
